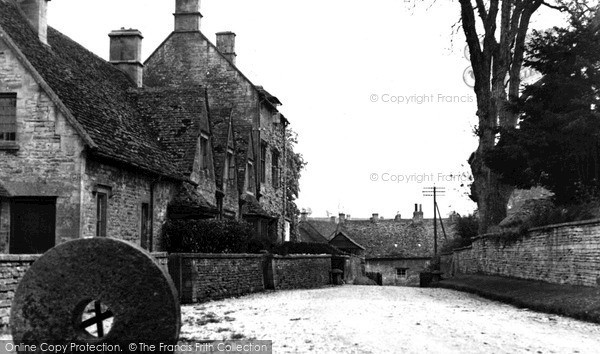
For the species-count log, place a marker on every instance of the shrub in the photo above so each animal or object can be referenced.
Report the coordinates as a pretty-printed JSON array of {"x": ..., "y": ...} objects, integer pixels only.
[
  {"x": 210, "y": 236},
  {"x": 305, "y": 248},
  {"x": 466, "y": 228}
]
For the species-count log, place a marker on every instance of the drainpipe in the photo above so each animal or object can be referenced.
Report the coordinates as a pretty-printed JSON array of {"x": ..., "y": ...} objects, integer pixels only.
[{"x": 283, "y": 183}]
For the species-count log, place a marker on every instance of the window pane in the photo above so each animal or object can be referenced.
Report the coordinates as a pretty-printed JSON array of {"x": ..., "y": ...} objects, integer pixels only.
[{"x": 8, "y": 116}]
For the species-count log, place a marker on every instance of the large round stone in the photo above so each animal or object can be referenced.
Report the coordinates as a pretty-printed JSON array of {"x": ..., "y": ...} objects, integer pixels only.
[{"x": 74, "y": 290}]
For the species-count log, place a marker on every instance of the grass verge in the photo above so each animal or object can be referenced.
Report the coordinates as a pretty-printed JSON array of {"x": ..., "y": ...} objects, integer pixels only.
[{"x": 580, "y": 302}]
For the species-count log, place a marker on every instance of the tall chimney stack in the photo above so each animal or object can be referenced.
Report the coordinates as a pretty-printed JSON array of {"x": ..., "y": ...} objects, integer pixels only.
[
  {"x": 226, "y": 45},
  {"x": 126, "y": 53},
  {"x": 418, "y": 213},
  {"x": 187, "y": 15},
  {"x": 36, "y": 12}
]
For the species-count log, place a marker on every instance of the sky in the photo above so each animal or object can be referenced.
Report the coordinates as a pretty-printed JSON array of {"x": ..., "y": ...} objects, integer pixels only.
[{"x": 376, "y": 90}]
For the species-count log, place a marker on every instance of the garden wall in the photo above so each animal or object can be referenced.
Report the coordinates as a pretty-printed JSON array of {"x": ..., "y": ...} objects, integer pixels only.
[
  {"x": 566, "y": 253},
  {"x": 202, "y": 277},
  {"x": 301, "y": 271}
]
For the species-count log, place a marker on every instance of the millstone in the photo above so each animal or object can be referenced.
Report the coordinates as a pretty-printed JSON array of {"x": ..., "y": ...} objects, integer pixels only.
[{"x": 101, "y": 278}]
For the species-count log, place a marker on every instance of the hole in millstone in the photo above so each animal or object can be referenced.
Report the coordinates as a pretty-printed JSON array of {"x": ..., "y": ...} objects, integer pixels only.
[{"x": 95, "y": 319}]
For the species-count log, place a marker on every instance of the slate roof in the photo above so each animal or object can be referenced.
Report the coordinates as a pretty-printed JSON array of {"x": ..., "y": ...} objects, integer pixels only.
[
  {"x": 189, "y": 202},
  {"x": 93, "y": 92},
  {"x": 390, "y": 238},
  {"x": 325, "y": 228},
  {"x": 308, "y": 233},
  {"x": 177, "y": 115}
]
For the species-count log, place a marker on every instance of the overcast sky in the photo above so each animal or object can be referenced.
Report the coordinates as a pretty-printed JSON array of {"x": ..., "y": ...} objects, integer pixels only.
[{"x": 374, "y": 89}]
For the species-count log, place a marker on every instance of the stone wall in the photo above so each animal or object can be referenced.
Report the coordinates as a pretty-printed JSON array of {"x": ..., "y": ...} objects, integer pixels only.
[
  {"x": 387, "y": 267},
  {"x": 301, "y": 271},
  {"x": 46, "y": 158},
  {"x": 12, "y": 270},
  {"x": 127, "y": 191},
  {"x": 203, "y": 277},
  {"x": 565, "y": 254}
]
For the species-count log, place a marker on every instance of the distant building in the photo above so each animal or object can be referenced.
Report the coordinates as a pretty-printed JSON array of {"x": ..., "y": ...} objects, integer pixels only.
[{"x": 398, "y": 249}]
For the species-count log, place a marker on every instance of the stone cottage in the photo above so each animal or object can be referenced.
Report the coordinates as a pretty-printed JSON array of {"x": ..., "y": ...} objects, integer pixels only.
[
  {"x": 88, "y": 148},
  {"x": 397, "y": 249},
  {"x": 243, "y": 110}
]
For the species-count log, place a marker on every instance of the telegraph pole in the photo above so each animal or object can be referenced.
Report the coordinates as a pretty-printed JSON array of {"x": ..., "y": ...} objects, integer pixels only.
[{"x": 433, "y": 192}]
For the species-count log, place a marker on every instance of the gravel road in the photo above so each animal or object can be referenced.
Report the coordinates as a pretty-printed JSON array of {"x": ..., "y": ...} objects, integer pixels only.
[{"x": 371, "y": 319}]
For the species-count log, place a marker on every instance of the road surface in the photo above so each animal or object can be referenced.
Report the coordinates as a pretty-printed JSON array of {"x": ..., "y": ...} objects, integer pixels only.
[{"x": 372, "y": 319}]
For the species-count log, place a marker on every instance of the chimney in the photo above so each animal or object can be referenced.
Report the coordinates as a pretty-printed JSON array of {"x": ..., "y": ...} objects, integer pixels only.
[
  {"x": 187, "y": 15},
  {"x": 375, "y": 217},
  {"x": 126, "y": 53},
  {"x": 36, "y": 12},
  {"x": 342, "y": 218},
  {"x": 226, "y": 45},
  {"x": 332, "y": 219},
  {"x": 303, "y": 216},
  {"x": 418, "y": 213},
  {"x": 398, "y": 217}
]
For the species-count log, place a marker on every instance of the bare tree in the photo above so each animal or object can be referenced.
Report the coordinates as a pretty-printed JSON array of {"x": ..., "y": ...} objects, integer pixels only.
[{"x": 496, "y": 56}]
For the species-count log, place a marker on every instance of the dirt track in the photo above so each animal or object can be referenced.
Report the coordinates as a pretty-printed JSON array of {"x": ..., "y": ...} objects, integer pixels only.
[{"x": 360, "y": 319}]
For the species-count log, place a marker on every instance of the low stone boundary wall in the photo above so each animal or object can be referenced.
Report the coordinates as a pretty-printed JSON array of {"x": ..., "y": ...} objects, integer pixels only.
[
  {"x": 301, "y": 271},
  {"x": 12, "y": 270},
  {"x": 202, "y": 277},
  {"x": 566, "y": 253}
]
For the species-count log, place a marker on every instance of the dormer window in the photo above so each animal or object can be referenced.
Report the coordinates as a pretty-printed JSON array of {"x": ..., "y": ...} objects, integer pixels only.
[
  {"x": 250, "y": 177},
  {"x": 229, "y": 170},
  {"x": 203, "y": 151},
  {"x": 8, "y": 117}
]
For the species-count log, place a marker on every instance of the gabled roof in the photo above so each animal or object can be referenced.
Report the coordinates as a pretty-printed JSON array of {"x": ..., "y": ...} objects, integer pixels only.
[
  {"x": 325, "y": 228},
  {"x": 178, "y": 116},
  {"x": 391, "y": 238},
  {"x": 92, "y": 92},
  {"x": 309, "y": 234},
  {"x": 340, "y": 234},
  {"x": 264, "y": 95}
]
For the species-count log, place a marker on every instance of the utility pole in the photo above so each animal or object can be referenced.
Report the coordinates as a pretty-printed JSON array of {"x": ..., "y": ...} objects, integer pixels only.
[{"x": 433, "y": 192}]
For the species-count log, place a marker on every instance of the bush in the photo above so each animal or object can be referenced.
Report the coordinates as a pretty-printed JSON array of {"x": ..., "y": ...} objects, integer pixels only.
[
  {"x": 305, "y": 248},
  {"x": 210, "y": 236},
  {"x": 466, "y": 228}
]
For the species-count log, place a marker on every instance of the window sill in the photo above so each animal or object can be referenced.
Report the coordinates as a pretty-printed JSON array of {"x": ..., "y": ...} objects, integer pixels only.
[{"x": 9, "y": 146}]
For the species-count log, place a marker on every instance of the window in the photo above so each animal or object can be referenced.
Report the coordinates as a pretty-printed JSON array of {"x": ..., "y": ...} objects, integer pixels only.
[
  {"x": 8, "y": 117},
  {"x": 229, "y": 170},
  {"x": 203, "y": 152},
  {"x": 250, "y": 177},
  {"x": 101, "y": 211},
  {"x": 286, "y": 231},
  {"x": 275, "y": 168},
  {"x": 145, "y": 225},
  {"x": 263, "y": 162},
  {"x": 401, "y": 272}
]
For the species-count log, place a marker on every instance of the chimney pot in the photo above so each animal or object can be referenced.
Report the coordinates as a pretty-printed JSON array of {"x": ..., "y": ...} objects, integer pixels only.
[
  {"x": 375, "y": 217},
  {"x": 126, "y": 53},
  {"x": 36, "y": 12},
  {"x": 187, "y": 15},
  {"x": 418, "y": 214},
  {"x": 226, "y": 45},
  {"x": 342, "y": 218}
]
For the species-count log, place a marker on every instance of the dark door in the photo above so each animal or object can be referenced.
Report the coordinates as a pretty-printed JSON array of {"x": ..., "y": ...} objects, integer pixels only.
[{"x": 33, "y": 225}]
